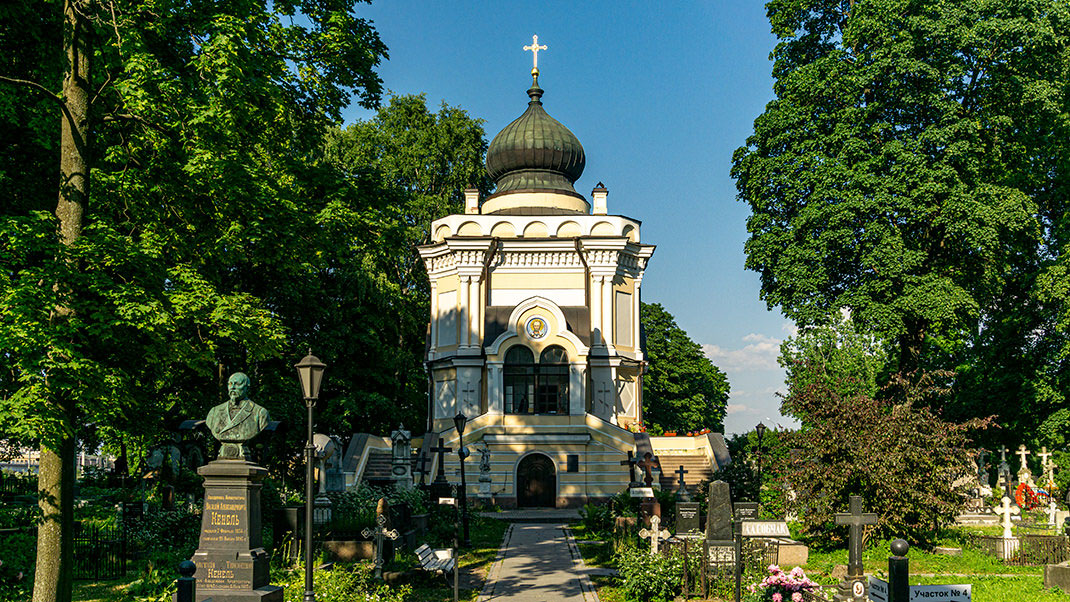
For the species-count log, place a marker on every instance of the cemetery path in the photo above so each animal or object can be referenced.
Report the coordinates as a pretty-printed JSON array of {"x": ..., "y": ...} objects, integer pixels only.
[{"x": 538, "y": 562}]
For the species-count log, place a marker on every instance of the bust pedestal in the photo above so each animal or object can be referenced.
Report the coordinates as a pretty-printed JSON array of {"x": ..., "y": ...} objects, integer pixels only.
[{"x": 232, "y": 565}]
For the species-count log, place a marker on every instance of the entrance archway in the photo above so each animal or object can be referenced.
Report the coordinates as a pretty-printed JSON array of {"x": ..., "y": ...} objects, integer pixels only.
[{"x": 536, "y": 482}]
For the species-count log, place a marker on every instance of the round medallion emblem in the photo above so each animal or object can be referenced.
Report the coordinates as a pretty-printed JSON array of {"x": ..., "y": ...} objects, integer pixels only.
[
  {"x": 536, "y": 327},
  {"x": 858, "y": 589}
]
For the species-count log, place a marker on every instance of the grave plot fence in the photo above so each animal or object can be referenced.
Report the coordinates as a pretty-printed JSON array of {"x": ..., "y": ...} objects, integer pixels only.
[
  {"x": 99, "y": 552},
  {"x": 711, "y": 569},
  {"x": 1026, "y": 550}
]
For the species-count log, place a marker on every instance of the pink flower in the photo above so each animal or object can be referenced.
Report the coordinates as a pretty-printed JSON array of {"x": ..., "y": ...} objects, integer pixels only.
[
  {"x": 797, "y": 573},
  {"x": 774, "y": 569},
  {"x": 796, "y": 597},
  {"x": 777, "y": 597}
]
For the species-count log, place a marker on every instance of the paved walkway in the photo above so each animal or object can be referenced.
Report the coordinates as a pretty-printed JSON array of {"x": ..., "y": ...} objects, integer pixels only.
[{"x": 538, "y": 562}]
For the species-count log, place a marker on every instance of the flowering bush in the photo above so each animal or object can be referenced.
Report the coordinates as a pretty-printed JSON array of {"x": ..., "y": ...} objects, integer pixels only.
[
  {"x": 779, "y": 586},
  {"x": 648, "y": 577}
]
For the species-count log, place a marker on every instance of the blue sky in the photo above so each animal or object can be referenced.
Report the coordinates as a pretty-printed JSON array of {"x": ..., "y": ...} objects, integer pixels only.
[{"x": 660, "y": 95}]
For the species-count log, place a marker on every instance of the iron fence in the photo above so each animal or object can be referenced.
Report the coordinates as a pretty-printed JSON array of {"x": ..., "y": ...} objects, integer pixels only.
[
  {"x": 1026, "y": 550},
  {"x": 99, "y": 551}
]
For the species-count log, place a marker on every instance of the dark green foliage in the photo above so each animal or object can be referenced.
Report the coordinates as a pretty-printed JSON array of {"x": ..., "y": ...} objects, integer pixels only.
[
  {"x": 912, "y": 168},
  {"x": 648, "y": 577},
  {"x": 597, "y": 519},
  {"x": 683, "y": 390}
]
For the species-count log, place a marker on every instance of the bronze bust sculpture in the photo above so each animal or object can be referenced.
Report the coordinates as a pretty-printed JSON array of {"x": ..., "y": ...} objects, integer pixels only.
[{"x": 236, "y": 421}]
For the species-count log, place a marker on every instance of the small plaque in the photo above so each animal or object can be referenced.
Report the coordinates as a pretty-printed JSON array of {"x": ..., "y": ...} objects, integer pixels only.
[
  {"x": 944, "y": 593},
  {"x": 641, "y": 492},
  {"x": 447, "y": 501},
  {"x": 721, "y": 553},
  {"x": 878, "y": 590},
  {"x": 687, "y": 523},
  {"x": 765, "y": 528},
  {"x": 746, "y": 510},
  {"x": 858, "y": 589}
]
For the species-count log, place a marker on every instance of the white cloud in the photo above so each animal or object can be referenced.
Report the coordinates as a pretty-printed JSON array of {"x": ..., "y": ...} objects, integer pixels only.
[
  {"x": 738, "y": 408},
  {"x": 759, "y": 353}
]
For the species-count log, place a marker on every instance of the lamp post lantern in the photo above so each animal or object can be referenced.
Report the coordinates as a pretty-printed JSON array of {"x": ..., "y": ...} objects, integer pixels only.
[
  {"x": 462, "y": 452},
  {"x": 761, "y": 435},
  {"x": 310, "y": 372}
]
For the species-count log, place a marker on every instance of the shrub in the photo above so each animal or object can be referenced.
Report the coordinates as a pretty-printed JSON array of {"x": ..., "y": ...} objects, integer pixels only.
[
  {"x": 352, "y": 583},
  {"x": 648, "y": 576},
  {"x": 597, "y": 518},
  {"x": 16, "y": 565}
]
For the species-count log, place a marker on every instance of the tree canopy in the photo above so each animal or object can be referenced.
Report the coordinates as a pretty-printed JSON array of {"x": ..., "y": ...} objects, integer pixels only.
[
  {"x": 912, "y": 165},
  {"x": 682, "y": 390}
]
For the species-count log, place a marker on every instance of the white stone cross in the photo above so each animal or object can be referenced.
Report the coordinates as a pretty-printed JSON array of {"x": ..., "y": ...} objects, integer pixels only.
[
  {"x": 655, "y": 534},
  {"x": 1006, "y": 510},
  {"x": 535, "y": 48},
  {"x": 1044, "y": 455},
  {"x": 1023, "y": 452}
]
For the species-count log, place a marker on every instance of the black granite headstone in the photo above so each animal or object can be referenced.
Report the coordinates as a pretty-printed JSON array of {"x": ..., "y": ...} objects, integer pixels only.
[
  {"x": 232, "y": 565},
  {"x": 687, "y": 520},
  {"x": 719, "y": 513},
  {"x": 746, "y": 510}
]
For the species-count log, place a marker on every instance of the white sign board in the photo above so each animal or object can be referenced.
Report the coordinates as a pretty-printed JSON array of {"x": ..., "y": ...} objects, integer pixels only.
[
  {"x": 765, "y": 528},
  {"x": 878, "y": 590},
  {"x": 942, "y": 593},
  {"x": 642, "y": 492},
  {"x": 447, "y": 501}
]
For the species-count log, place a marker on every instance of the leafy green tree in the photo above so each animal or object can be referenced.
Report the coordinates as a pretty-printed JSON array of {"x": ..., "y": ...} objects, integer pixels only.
[
  {"x": 183, "y": 134},
  {"x": 682, "y": 389},
  {"x": 913, "y": 160},
  {"x": 902, "y": 458}
]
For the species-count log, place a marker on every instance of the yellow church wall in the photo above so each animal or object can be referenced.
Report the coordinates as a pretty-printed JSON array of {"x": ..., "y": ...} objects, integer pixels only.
[
  {"x": 536, "y": 280},
  {"x": 446, "y": 284}
]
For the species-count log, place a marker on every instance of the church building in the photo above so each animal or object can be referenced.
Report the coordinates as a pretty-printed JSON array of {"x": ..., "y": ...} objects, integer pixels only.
[{"x": 534, "y": 329}]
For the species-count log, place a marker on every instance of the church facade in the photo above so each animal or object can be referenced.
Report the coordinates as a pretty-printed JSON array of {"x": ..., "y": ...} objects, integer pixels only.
[{"x": 534, "y": 327}]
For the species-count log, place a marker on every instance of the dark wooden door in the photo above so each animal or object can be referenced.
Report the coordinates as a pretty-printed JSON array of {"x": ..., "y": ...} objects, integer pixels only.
[{"x": 536, "y": 482}]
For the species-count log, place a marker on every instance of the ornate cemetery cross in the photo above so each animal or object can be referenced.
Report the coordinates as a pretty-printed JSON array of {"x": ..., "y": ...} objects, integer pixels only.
[
  {"x": 647, "y": 464},
  {"x": 1023, "y": 452},
  {"x": 682, "y": 490},
  {"x": 1047, "y": 465},
  {"x": 655, "y": 534},
  {"x": 441, "y": 450},
  {"x": 1006, "y": 510},
  {"x": 379, "y": 532},
  {"x": 421, "y": 466},
  {"x": 856, "y": 519},
  {"x": 630, "y": 462}
]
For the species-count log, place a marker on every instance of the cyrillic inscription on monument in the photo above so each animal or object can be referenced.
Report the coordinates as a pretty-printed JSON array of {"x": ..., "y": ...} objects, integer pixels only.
[
  {"x": 225, "y": 574},
  {"x": 223, "y": 519}
]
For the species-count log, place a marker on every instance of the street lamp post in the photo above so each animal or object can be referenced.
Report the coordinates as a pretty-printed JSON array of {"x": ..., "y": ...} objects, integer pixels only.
[
  {"x": 459, "y": 421},
  {"x": 761, "y": 435},
  {"x": 310, "y": 372}
]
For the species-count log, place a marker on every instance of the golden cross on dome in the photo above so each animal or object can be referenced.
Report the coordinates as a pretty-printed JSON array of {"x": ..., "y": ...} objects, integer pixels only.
[{"x": 535, "y": 48}]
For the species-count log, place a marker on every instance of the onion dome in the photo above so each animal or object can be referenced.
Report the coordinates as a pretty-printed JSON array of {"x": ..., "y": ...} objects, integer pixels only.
[{"x": 535, "y": 153}]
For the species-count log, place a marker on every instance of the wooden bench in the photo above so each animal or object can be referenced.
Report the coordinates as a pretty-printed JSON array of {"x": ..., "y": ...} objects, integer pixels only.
[{"x": 435, "y": 561}]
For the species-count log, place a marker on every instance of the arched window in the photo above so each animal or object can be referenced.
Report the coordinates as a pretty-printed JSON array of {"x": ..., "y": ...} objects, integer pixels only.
[
  {"x": 518, "y": 377},
  {"x": 532, "y": 388},
  {"x": 552, "y": 382}
]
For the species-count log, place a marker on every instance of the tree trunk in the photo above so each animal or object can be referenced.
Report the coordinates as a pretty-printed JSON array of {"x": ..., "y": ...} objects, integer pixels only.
[{"x": 53, "y": 579}]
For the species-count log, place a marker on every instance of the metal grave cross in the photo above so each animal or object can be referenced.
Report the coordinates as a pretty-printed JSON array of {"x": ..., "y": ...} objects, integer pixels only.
[
  {"x": 1023, "y": 452},
  {"x": 421, "y": 466},
  {"x": 856, "y": 520},
  {"x": 655, "y": 534},
  {"x": 379, "y": 532},
  {"x": 441, "y": 450},
  {"x": 647, "y": 464},
  {"x": 1006, "y": 510},
  {"x": 630, "y": 463},
  {"x": 535, "y": 48},
  {"x": 682, "y": 490}
]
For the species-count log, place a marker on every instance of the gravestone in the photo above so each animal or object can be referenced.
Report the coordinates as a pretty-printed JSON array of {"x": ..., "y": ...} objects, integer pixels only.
[
  {"x": 655, "y": 534},
  {"x": 852, "y": 587},
  {"x": 687, "y": 520},
  {"x": 1024, "y": 475},
  {"x": 401, "y": 458},
  {"x": 746, "y": 511},
  {"x": 719, "y": 512}
]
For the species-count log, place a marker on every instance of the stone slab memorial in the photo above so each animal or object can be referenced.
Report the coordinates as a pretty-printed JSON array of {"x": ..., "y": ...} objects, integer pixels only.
[
  {"x": 232, "y": 565},
  {"x": 746, "y": 510},
  {"x": 687, "y": 520},
  {"x": 719, "y": 512}
]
